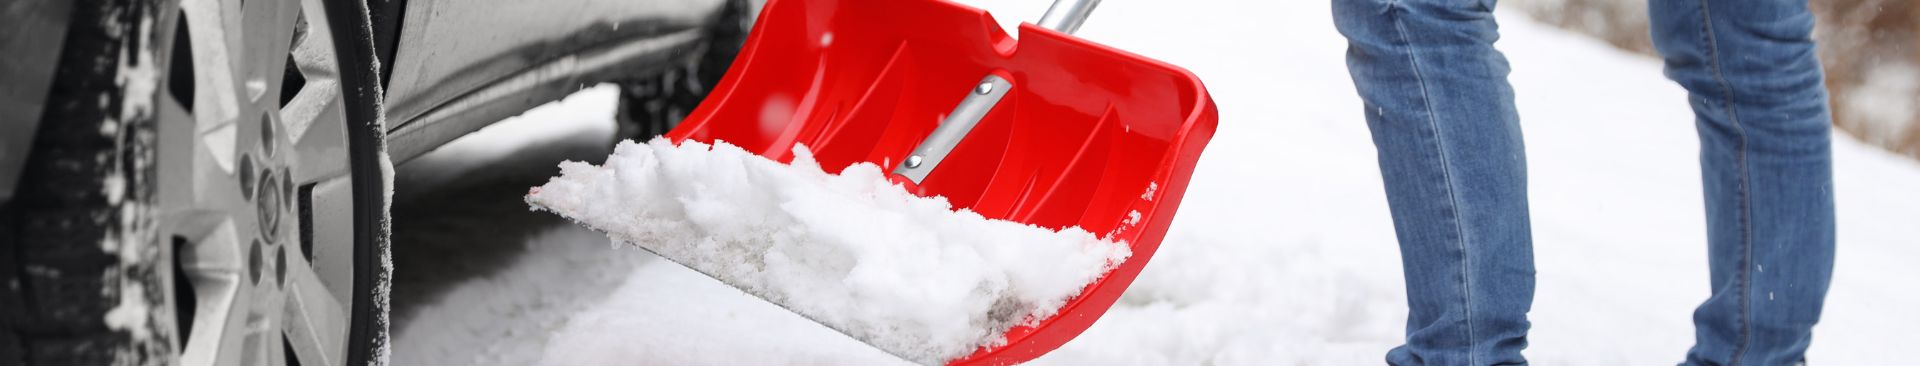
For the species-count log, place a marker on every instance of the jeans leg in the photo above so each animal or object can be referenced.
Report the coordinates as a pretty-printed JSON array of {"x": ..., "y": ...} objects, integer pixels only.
[
  {"x": 1761, "y": 109},
  {"x": 1450, "y": 151}
]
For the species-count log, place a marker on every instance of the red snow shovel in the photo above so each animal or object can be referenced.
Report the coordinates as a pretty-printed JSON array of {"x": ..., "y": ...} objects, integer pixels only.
[{"x": 1049, "y": 130}]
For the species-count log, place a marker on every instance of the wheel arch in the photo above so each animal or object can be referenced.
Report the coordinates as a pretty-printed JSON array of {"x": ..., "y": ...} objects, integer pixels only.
[
  {"x": 388, "y": 18},
  {"x": 426, "y": 113}
]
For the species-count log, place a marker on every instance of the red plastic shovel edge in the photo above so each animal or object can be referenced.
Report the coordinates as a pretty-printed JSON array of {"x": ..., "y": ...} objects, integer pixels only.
[{"x": 1170, "y": 177}]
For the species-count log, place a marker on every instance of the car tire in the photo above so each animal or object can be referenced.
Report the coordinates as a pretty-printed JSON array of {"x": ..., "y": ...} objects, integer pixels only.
[
  {"x": 652, "y": 105},
  {"x": 92, "y": 255},
  {"x": 67, "y": 261}
]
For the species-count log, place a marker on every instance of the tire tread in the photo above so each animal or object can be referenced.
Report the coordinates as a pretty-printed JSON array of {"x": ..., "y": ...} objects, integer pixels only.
[{"x": 59, "y": 280}]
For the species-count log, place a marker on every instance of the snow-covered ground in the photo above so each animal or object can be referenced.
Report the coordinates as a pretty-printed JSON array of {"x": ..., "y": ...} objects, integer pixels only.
[{"x": 1283, "y": 252}]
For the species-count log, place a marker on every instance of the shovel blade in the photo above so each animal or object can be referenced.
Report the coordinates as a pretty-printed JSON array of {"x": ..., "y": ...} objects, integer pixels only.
[{"x": 1088, "y": 136}]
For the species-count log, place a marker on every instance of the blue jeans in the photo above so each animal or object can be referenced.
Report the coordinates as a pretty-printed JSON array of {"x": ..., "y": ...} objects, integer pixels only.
[{"x": 1450, "y": 151}]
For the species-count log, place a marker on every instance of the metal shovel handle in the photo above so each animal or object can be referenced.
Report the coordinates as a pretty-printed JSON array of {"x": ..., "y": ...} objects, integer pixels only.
[{"x": 1065, "y": 16}]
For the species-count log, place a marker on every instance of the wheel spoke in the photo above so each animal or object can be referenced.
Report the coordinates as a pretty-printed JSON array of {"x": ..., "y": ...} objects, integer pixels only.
[
  {"x": 270, "y": 278},
  {"x": 215, "y": 188},
  {"x": 176, "y": 149},
  {"x": 313, "y": 55},
  {"x": 234, "y": 321},
  {"x": 332, "y": 235},
  {"x": 212, "y": 265},
  {"x": 318, "y": 153},
  {"x": 217, "y": 103},
  {"x": 313, "y": 118},
  {"x": 270, "y": 28},
  {"x": 315, "y": 318}
]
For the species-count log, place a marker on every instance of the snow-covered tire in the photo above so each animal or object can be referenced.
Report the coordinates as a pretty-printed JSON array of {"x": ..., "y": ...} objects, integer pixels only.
[
  {"x": 654, "y": 104},
  {"x": 78, "y": 239},
  {"x": 91, "y": 268}
]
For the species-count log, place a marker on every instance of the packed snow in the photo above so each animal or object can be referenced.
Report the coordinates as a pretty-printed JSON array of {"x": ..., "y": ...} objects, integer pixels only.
[
  {"x": 853, "y": 250},
  {"x": 1283, "y": 252}
]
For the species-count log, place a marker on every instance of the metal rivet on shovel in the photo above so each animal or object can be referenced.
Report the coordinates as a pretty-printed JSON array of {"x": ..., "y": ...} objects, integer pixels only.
[{"x": 1064, "y": 16}]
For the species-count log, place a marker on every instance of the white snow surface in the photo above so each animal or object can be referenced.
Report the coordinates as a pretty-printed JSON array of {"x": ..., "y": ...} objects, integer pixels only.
[
  {"x": 1283, "y": 252},
  {"x": 854, "y": 251}
]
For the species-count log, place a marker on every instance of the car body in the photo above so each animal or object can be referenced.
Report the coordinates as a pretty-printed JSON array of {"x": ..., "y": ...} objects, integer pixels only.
[
  {"x": 451, "y": 66},
  {"x": 223, "y": 188}
]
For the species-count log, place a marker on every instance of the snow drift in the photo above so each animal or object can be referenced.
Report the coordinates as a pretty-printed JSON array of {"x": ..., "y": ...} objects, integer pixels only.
[{"x": 853, "y": 251}]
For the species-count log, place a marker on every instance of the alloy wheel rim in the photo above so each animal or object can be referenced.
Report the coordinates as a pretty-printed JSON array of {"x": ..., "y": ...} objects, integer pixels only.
[{"x": 255, "y": 185}]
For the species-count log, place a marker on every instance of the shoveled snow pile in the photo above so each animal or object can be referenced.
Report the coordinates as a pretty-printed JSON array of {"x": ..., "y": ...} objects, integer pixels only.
[{"x": 907, "y": 274}]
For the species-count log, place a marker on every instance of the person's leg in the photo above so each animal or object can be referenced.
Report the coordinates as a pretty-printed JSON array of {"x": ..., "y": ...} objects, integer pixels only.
[
  {"x": 1761, "y": 109},
  {"x": 1448, "y": 138}
]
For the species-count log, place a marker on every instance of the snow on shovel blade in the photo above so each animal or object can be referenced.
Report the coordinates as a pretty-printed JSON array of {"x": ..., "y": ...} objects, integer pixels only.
[{"x": 853, "y": 251}]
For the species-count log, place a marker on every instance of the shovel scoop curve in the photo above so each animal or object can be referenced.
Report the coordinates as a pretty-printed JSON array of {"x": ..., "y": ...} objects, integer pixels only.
[{"x": 1029, "y": 230}]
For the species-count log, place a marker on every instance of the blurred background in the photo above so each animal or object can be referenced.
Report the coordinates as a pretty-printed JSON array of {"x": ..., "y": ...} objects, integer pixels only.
[{"x": 1871, "y": 49}]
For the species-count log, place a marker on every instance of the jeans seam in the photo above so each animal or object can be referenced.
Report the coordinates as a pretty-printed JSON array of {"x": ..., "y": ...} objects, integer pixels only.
[
  {"x": 1743, "y": 198},
  {"x": 1446, "y": 171}
]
